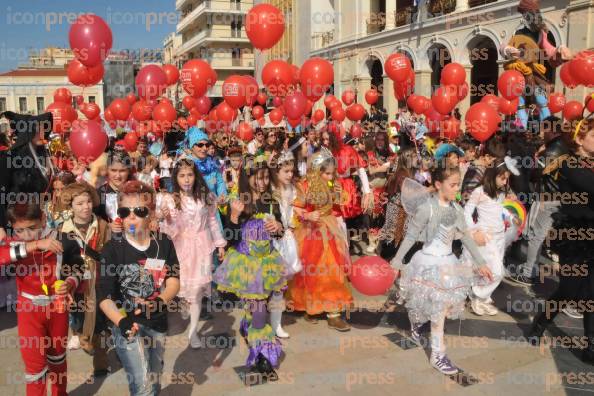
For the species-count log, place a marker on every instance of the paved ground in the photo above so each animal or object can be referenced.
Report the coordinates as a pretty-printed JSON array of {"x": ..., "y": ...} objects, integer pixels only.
[{"x": 364, "y": 361}]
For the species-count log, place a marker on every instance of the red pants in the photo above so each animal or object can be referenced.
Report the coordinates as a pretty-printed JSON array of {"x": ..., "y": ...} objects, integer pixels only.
[{"x": 43, "y": 335}]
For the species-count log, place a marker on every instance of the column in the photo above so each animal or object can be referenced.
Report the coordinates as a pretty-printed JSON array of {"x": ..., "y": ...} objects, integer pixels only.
[
  {"x": 390, "y": 14},
  {"x": 465, "y": 104},
  {"x": 423, "y": 83},
  {"x": 461, "y": 6},
  {"x": 390, "y": 102},
  {"x": 363, "y": 85}
]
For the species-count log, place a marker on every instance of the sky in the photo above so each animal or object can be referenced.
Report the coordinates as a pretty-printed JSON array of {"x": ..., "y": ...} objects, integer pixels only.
[{"x": 36, "y": 24}]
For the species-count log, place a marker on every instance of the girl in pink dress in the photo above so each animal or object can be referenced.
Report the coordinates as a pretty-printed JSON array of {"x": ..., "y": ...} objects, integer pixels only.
[{"x": 188, "y": 216}]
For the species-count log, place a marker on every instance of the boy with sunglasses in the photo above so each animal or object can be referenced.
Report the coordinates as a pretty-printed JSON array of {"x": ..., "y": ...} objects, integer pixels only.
[
  {"x": 47, "y": 271},
  {"x": 139, "y": 277}
]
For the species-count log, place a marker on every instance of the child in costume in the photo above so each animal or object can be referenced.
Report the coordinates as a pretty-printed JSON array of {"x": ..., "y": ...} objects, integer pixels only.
[
  {"x": 489, "y": 229},
  {"x": 188, "y": 216},
  {"x": 323, "y": 246},
  {"x": 435, "y": 284},
  {"x": 284, "y": 189},
  {"x": 252, "y": 269}
]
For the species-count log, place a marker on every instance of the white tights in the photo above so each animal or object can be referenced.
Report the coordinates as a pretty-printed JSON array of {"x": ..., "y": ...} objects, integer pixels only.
[
  {"x": 194, "y": 308},
  {"x": 437, "y": 340}
]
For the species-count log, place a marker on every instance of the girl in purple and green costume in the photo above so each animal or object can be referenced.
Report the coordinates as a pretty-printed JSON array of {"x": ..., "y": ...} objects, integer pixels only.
[{"x": 252, "y": 269}]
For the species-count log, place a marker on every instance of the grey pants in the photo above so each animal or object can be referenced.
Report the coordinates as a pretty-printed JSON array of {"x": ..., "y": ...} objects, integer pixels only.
[{"x": 539, "y": 224}]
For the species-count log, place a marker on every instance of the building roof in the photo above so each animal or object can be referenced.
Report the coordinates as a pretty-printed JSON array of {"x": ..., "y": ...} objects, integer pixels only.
[{"x": 38, "y": 72}]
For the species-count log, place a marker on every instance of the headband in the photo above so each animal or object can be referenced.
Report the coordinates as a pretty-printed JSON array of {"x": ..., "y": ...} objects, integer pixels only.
[{"x": 511, "y": 165}]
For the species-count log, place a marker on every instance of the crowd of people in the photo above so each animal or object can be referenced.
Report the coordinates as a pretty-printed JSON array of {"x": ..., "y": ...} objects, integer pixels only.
[{"x": 188, "y": 220}]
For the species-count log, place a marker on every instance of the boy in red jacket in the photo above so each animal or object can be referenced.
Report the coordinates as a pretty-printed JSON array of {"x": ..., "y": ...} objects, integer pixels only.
[{"x": 47, "y": 270}]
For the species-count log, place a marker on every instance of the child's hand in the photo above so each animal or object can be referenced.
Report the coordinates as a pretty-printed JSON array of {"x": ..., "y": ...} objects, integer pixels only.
[
  {"x": 166, "y": 214},
  {"x": 273, "y": 227},
  {"x": 237, "y": 208},
  {"x": 485, "y": 272},
  {"x": 48, "y": 244},
  {"x": 313, "y": 216},
  {"x": 221, "y": 253},
  {"x": 480, "y": 238},
  {"x": 116, "y": 226}
]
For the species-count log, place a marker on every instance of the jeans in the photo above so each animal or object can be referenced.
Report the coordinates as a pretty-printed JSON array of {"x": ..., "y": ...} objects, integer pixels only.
[
  {"x": 537, "y": 233},
  {"x": 142, "y": 358}
]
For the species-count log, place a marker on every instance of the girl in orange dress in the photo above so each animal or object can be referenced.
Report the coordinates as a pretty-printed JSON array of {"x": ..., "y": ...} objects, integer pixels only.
[{"x": 321, "y": 286}]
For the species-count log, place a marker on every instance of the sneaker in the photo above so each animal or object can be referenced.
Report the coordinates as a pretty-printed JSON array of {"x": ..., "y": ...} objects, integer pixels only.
[
  {"x": 477, "y": 307},
  {"x": 74, "y": 343},
  {"x": 523, "y": 280},
  {"x": 337, "y": 323},
  {"x": 489, "y": 309},
  {"x": 196, "y": 341},
  {"x": 443, "y": 364},
  {"x": 572, "y": 313},
  {"x": 415, "y": 334},
  {"x": 310, "y": 318}
]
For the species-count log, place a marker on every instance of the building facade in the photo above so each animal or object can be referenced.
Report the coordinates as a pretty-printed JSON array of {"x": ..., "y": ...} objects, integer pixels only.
[
  {"x": 213, "y": 30},
  {"x": 434, "y": 33}
]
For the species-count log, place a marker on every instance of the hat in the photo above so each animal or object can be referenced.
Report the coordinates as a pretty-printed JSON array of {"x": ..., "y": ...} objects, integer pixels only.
[
  {"x": 196, "y": 135},
  {"x": 529, "y": 6},
  {"x": 445, "y": 149}
]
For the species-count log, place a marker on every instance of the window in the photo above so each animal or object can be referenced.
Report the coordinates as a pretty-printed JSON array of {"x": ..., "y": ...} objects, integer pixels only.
[
  {"x": 91, "y": 99},
  {"x": 2, "y": 105},
  {"x": 40, "y": 105},
  {"x": 22, "y": 105}
]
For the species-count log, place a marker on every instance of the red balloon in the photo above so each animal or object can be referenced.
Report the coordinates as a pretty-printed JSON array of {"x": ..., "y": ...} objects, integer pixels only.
[
  {"x": 411, "y": 101},
  {"x": 151, "y": 82},
  {"x": 276, "y": 116},
  {"x": 355, "y": 112},
  {"x": 462, "y": 91},
  {"x": 197, "y": 77},
  {"x": 120, "y": 108},
  {"x": 444, "y": 99},
  {"x": 141, "y": 111},
  {"x": 91, "y": 111},
  {"x": 131, "y": 141},
  {"x": 308, "y": 107},
  {"x": 171, "y": 74},
  {"x": 295, "y": 71},
  {"x": 371, "y": 97},
  {"x": 234, "y": 91},
  {"x": 192, "y": 121},
  {"x": 573, "y": 110},
  {"x": 318, "y": 116},
  {"x": 492, "y": 101},
  {"x": 203, "y": 104},
  {"x": 182, "y": 122},
  {"x": 131, "y": 98},
  {"x": 83, "y": 76},
  {"x": 398, "y": 67},
  {"x": 257, "y": 112},
  {"x": 482, "y": 121},
  {"x": 245, "y": 131},
  {"x": 511, "y": 84},
  {"x": 79, "y": 99},
  {"x": 421, "y": 105},
  {"x": 582, "y": 68},
  {"x": 188, "y": 102},
  {"x": 90, "y": 39},
  {"x": 316, "y": 76},
  {"x": 277, "y": 76},
  {"x": 453, "y": 74},
  {"x": 88, "y": 141},
  {"x": 356, "y": 131},
  {"x": 264, "y": 25},
  {"x": 164, "y": 113},
  {"x": 251, "y": 90},
  {"x": 566, "y": 77},
  {"x": 348, "y": 97},
  {"x": 295, "y": 105},
  {"x": 433, "y": 119},
  {"x": 294, "y": 122},
  {"x": 450, "y": 128},
  {"x": 108, "y": 115},
  {"x": 508, "y": 107},
  {"x": 226, "y": 112},
  {"x": 557, "y": 102},
  {"x": 372, "y": 275},
  {"x": 63, "y": 95},
  {"x": 262, "y": 98},
  {"x": 277, "y": 101},
  {"x": 329, "y": 101},
  {"x": 338, "y": 114},
  {"x": 590, "y": 103},
  {"x": 63, "y": 115}
]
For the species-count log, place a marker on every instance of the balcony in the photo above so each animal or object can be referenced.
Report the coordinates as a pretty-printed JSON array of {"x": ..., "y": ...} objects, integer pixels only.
[
  {"x": 180, "y": 3},
  {"x": 217, "y": 33},
  {"x": 193, "y": 42},
  {"x": 478, "y": 3},
  {"x": 440, "y": 7},
  {"x": 225, "y": 60},
  {"x": 406, "y": 16},
  {"x": 212, "y": 6},
  {"x": 376, "y": 23},
  {"x": 321, "y": 40}
]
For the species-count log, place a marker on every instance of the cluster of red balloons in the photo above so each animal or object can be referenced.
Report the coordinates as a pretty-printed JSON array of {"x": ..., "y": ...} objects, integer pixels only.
[
  {"x": 579, "y": 70},
  {"x": 400, "y": 71},
  {"x": 91, "y": 41},
  {"x": 63, "y": 114}
]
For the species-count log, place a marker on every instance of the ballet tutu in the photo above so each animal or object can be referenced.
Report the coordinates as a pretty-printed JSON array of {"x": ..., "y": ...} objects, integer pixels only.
[
  {"x": 251, "y": 277},
  {"x": 287, "y": 247},
  {"x": 435, "y": 283}
]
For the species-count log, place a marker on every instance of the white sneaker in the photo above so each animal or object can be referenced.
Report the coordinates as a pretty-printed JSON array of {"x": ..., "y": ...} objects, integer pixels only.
[
  {"x": 281, "y": 333},
  {"x": 443, "y": 364},
  {"x": 74, "y": 343},
  {"x": 477, "y": 307},
  {"x": 489, "y": 308},
  {"x": 572, "y": 313},
  {"x": 196, "y": 341}
]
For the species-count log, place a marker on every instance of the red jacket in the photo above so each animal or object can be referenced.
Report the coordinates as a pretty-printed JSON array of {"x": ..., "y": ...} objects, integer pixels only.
[{"x": 33, "y": 269}]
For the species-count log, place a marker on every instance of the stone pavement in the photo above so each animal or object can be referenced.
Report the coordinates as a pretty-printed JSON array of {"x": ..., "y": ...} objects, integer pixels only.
[{"x": 364, "y": 361}]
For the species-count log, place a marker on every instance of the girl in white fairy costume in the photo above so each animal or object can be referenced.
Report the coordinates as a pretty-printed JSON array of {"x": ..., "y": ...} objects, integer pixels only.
[
  {"x": 283, "y": 185},
  {"x": 435, "y": 283}
]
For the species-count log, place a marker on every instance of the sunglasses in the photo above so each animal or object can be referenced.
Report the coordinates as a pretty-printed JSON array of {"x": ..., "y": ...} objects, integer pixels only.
[
  {"x": 200, "y": 145},
  {"x": 139, "y": 211}
]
